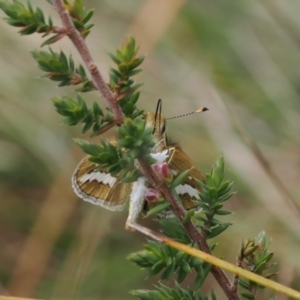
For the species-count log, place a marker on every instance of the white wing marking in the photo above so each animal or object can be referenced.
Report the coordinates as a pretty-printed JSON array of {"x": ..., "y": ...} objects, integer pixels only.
[
  {"x": 186, "y": 188},
  {"x": 104, "y": 178}
]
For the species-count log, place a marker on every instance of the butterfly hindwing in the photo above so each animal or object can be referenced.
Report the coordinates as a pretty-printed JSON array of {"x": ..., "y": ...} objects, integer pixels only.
[
  {"x": 188, "y": 191},
  {"x": 99, "y": 187}
]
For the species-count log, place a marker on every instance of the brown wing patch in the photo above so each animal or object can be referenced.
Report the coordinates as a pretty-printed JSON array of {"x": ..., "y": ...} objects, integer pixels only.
[{"x": 99, "y": 187}]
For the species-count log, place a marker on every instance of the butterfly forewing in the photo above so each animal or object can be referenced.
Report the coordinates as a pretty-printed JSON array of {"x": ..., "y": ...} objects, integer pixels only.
[{"x": 99, "y": 187}]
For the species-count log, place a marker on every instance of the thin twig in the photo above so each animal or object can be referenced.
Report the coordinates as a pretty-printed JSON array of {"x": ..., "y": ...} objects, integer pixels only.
[
  {"x": 97, "y": 78},
  {"x": 236, "y": 276}
]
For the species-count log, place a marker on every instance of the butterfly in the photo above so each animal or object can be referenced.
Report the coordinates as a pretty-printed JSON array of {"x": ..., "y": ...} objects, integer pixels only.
[{"x": 106, "y": 190}]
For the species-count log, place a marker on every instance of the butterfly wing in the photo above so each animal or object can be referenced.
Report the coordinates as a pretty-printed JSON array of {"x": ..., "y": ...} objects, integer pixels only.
[
  {"x": 98, "y": 187},
  {"x": 188, "y": 190}
]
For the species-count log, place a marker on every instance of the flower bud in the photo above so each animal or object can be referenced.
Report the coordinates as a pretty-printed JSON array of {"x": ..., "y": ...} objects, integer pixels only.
[
  {"x": 163, "y": 171},
  {"x": 152, "y": 195}
]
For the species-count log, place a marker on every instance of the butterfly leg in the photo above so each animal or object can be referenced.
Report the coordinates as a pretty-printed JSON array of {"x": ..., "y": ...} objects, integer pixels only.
[{"x": 171, "y": 153}]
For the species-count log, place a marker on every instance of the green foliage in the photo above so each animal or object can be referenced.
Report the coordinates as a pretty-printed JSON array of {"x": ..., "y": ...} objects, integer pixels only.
[
  {"x": 137, "y": 139},
  {"x": 179, "y": 179},
  {"x": 29, "y": 19},
  {"x": 255, "y": 256},
  {"x": 173, "y": 229},
  {"x": 215, "y": 191},
  {"x": 61, "y": 68},
  {"x": 121, "y": 81},
  {"x": 128, "y": 104},
  {"x": 34, "y": 21},
  {"x": 77, "y": 112},
  {"x": 134, "y": 139},
  {"x": 165, "y": 293},
  {"x": 80, "y": 16},
  {"x": 157, "y": 209},
  {"x": 158, "y": 258},
  {"x": 110, "y": 158}
]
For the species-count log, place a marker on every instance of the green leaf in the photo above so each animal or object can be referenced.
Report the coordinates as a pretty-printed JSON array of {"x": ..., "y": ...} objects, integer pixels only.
[
  {"x": 156, "y": 268},
  {"x": 217, "y": 230},
  {"x": 179, "y": 179},
  {"x": 248, "y": 295},
  {"x": 87, "y": 16},
  {"x": 168, "y": 272},
  {"x": 173, "y": 229},
  {"x": 181, "y": 275},
  {"x": 136, "y": 62},
  {"x": 28, "y": 30},
  {"x": 223, "y": 212},
  {"x": 87, "y": 147},
  {"x": 88, "y": 124},
  {"x": 188, "y": 216},
  {"x": 204, "y": 197},
  {"x": 185, "y": 266},
  {"x": 226, "y": 197},
  {"x": 209, "y": 181},
  {"x": 78, "y": 8},
  {"x": 114, "y": 58},
  {"x": 224, "y": 188},
  {"x": 244, "y": 283},
  {"x": 157, "y": 209},
  {"x": 154, "y": 247},
  {"x": 29, "y": 19},
  {"x": 213, "y": 295},
  {"x": 97, "y": 109},
  {"x": 217, "y": 176},
  {"x": 213, "y": 194},
  {"x": 179, "y": 256},
  {"x": 53, "y": 39},
  {"x": 200, "y": 218}
]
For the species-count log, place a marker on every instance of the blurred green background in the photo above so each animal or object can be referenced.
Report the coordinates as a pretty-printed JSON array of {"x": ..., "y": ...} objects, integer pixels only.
[{"x": 239, "y": 58}]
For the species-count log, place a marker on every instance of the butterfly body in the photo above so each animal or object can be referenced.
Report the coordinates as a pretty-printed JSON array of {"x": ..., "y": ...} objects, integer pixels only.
[{"x": 106, "y": 190}]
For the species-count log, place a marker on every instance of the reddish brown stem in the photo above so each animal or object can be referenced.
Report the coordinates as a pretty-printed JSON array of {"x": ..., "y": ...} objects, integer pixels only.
[
  {"x": 98, "y": 80},
  {"x": 56, "y": 29},
  {"x": 195, "y": 235},
  {"x": 236, "y": 277}
]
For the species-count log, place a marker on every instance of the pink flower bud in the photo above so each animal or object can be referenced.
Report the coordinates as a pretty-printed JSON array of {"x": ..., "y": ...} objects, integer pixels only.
[
  {"x": 163, "y": 171},
  {"x": 152, "y": 195}
]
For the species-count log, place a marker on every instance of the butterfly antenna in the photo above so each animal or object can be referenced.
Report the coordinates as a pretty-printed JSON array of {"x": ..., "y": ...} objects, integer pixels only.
[
  {"x": 158, "y": 107},
  {"x": 157, "y": 114},
  {"x": 202, "y": 109}
]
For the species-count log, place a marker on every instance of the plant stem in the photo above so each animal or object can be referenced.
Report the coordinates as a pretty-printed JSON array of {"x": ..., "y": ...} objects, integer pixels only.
[
  {"x": 97, "y": 78},
  {"x": 236, "y": 277},
  {"x": 195, "y": 235}
]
